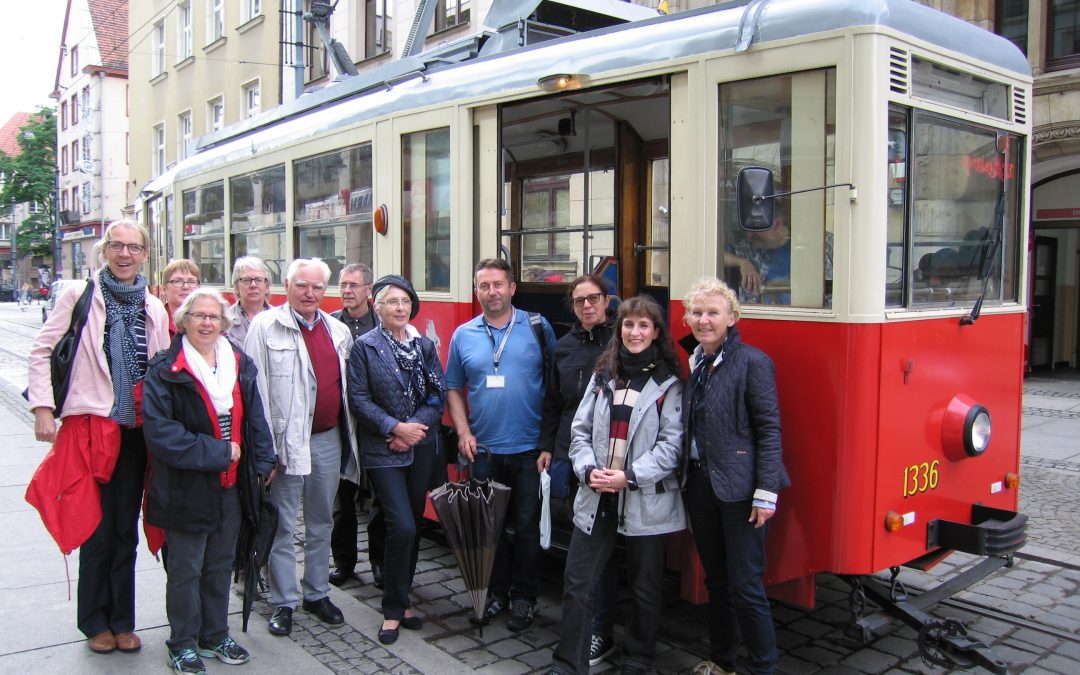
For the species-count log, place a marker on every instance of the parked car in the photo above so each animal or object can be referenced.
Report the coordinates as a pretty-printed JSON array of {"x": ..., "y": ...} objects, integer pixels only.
[
  {"x": 55, "y": 291},
  {"x": 7, "y": 293}
]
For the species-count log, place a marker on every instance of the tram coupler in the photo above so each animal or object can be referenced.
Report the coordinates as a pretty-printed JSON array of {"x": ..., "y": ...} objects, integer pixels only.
[{"x": 943, "y": 642}]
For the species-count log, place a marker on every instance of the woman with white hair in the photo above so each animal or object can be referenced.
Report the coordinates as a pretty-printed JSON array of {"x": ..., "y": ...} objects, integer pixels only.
[
  {"x": 203, "y": 417},
  {"x": 251, "y": 284},
  {"x": 125, "y": 326}
]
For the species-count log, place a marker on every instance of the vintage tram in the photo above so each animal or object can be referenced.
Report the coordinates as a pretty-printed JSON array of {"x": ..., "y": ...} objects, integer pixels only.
[{"x": 894, "y": 304}]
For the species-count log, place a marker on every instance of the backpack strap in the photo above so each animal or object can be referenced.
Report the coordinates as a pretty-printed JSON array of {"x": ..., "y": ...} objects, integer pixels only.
[{"x": 536, "y": 322}]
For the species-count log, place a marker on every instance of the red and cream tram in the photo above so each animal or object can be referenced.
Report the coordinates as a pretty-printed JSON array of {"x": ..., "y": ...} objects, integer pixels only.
[{"x": 894, "y": 302}]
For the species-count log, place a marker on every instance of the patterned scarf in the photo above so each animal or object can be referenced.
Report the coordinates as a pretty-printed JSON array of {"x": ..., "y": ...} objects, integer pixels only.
[{"x": 123, "y": 303}]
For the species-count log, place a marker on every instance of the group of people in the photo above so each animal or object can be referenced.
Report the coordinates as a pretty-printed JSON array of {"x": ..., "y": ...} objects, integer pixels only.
[{"x": 222, "y": 399}]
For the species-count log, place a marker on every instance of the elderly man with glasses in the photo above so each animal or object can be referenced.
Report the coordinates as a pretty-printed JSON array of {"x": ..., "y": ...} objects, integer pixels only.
[
  {"x": 300, "y": 352},
  {"x": 251, "y": 285}
]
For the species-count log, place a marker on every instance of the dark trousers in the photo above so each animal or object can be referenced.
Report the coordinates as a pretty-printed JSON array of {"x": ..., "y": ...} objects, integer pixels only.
[
  {"x": 732, "y": 552},
  {"x": 197, "y": 589},
  {"x": 343, "y": 537},
  {"x": 107, "y": 559},
  {"x": 516, "y": 574},
  {"x": 402, "y": 491},
  {"x": 607, "y": 593},
  {"x": 586, "y": 561}
]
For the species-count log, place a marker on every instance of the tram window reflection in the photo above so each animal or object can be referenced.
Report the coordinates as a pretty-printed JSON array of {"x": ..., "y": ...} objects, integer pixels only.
[
  {"x": 204, "y": 230},
  {"x": 426, "y": 208},
  {"x": 257, "y": 225},
  {"x": 333, "y": 207}
]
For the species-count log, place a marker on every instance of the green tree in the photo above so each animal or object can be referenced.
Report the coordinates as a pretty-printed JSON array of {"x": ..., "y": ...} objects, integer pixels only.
[{"x": 31, "y": 177}]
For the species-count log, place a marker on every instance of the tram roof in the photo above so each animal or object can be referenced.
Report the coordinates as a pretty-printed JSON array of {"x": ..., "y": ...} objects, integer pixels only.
[{"x": 399, "y": 86}]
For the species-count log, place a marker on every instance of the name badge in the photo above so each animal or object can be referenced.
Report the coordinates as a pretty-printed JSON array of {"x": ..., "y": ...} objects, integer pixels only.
[{"x": 496, "y": 381}]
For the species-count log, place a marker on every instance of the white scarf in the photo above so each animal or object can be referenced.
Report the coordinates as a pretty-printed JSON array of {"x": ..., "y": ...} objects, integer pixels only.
[{"x": 219, "y": 382}]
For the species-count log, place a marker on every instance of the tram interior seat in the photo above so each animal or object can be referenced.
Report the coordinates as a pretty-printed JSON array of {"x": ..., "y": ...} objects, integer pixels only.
[{"x": 953, "y": 273}]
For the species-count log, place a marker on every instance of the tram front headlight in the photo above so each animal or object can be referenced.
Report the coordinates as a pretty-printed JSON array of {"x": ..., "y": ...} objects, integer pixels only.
[{"x": 965, "y": 428}]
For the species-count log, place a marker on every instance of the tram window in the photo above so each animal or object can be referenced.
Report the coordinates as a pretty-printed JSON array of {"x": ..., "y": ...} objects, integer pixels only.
[
  {"x": 936, "y": 82},
  {"x": 896, "y": 222},
  {"x": 955, "y": 183},
  {"x": 257, "y": 225},
  {"x": 658, "y": 234},
  {"x": 425, "y": 199},
  {"x": 332, "y": 200},
  {"x": 204, "y": 230},
  {"x": 786, "y": 123}
]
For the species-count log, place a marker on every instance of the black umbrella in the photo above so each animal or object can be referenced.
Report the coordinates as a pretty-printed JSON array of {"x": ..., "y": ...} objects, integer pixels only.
[
  {"x": 472, "y": 514},
  {"x": 258, "y": 524}
]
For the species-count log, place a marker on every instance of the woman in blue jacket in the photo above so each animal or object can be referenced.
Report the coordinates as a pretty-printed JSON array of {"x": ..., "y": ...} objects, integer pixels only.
[
  {"x": 397, "y": 391},
  {"x": 734, "y": 474},
  {"x": 202, "y": 415}
]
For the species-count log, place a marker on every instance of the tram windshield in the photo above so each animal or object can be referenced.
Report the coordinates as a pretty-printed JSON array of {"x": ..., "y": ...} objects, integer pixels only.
[
  {"x": 785, "y": 123},
  {"x": 945, "y": 182}
]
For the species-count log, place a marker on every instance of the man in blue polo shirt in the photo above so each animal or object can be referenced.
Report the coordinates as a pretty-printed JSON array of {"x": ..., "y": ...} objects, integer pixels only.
[{"x": 498, "y": 362}]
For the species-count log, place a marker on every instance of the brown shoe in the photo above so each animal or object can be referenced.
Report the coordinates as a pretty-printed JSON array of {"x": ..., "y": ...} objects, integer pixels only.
[
  {"x": 128, "y": 643},
  {"x": 102, "y": 643}
]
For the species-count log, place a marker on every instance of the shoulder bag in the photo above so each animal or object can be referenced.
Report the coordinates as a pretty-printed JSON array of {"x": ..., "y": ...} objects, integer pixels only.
[{"x": 63, "y": 353}]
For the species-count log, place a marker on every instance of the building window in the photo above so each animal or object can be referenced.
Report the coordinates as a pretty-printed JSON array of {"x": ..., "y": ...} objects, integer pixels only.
[
  {"x": 425, "y": 218},
  {"x": 252, "y": 105},
  {"x": 183, "y": 135},
  {"x": 378, "y": 27},
  {"x": 36, "y": 207},
  {"x": 75, "y": 199},
  {"x": 1063, "y": 26},
  {"x": 450, "y": 13},
  {"x": 63, "y": 114},
  {"x": 63, "y": 200},
  {"x": 215, "y": 20},
  {"x": 4, "y": 232},
  {"x": 63, "y": 160},
  {"x": 85, "y": 112},
  {"x": 204, "y": 230},
  {"x": 252, "y": 9},
  {"x": 215, "y": 114},
  {"x": 74, "y": 60},
  {"x": 87, "y": 194},
  {"x": 157, "y": 53},
  {"x": 332, "y": 201},
  {"x": 75, "y": 155},
  {"x": 159, "y": 149},
  {"x": 87, "y": 139},
  {"x": 74, "y": 109},
  {"x": 1011, "y": 22},
  {"x": 183, "y": 38}
]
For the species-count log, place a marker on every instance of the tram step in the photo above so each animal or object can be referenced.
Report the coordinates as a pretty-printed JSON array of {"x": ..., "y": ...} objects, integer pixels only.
[{"x": 992, "y": 532}]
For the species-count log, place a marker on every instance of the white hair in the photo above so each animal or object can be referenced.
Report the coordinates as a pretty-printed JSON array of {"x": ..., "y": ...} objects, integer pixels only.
[
  {"x": 296, "y": 265},
  {"x": 185, "y": 307},
  {"x": 248, "y": 262}
]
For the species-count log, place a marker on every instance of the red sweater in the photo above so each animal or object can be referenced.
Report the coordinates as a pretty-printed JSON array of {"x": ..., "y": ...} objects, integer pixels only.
[{"x": 324, "y": 360}]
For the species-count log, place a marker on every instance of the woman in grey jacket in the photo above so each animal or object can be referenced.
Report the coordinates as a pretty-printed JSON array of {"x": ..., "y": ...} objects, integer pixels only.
[{"x": 625, "y": 447}]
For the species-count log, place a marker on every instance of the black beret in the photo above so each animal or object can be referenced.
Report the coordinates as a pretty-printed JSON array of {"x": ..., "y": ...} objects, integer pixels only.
[{"x": 402, "y": 283}]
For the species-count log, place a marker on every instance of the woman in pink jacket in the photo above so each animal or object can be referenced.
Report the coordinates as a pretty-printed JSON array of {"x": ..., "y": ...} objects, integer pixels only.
[{"x": 125, "y": 327}]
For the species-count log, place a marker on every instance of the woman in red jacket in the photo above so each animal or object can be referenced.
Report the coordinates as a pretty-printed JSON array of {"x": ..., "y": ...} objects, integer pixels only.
[{"x": 125, "y": 326}]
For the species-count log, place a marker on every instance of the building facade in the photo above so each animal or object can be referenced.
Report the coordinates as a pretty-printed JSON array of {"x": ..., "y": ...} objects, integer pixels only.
[{"x": 91, "y": 127}]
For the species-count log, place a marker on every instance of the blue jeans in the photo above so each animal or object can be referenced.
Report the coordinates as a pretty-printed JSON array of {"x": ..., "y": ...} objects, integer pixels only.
[
  {"x": 587, "y": 565},
  {"x": 402, "y": 491},
  {"x": 516, "y": 574},
  {"x": 732, "y": 552}
]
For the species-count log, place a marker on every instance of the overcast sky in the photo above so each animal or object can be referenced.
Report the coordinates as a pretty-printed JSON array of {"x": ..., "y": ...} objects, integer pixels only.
[{"x": 29, "y": 47}]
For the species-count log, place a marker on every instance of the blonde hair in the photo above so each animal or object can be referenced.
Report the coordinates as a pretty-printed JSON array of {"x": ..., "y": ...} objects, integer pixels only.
[
  {"x": 180, "y": 265},
  {"x": 712, "y": 286},
  {"x": 99, "y": 248}
]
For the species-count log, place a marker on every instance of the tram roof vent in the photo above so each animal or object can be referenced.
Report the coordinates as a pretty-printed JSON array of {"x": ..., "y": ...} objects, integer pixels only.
[
  {"x": 519, "y": 23},
  {"x": 1020, "y": 114},
  {"x": 899, "y": 70}
]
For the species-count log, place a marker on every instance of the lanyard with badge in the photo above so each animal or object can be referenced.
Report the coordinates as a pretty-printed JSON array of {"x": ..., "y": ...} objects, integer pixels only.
[{"x": 498, "y": 381}]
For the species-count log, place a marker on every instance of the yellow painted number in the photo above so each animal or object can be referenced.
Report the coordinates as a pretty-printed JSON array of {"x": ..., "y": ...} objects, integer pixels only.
[{"x": 919, "y": 478}]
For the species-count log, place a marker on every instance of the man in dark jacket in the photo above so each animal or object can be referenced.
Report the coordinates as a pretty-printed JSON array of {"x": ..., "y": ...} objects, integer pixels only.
[{"x": 356, "y": 312}]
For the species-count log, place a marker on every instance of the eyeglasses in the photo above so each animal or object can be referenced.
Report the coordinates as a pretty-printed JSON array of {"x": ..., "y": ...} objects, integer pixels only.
[
  {"x": 304, "y": 286},
  {"x": 119, "y": 246},
  {"x": 199, "y": 317},
  {"x": 183, "y": 283},
  {"x": 397, "y": 302},
  {"x": 349, "y": 286},
  {"x": 591, "y": 298},
  {"x": 252, "y": 281}
]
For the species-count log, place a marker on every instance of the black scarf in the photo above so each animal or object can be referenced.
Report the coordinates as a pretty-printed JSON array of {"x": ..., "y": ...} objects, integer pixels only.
[
  {"x": 123, "y": 303},
  {"x": 631, "y": 364}
]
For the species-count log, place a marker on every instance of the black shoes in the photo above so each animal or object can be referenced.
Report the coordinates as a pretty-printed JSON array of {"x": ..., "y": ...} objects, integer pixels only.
[
  {"x": 339, "y": 575},
  {"x": 412, "y": 623},
  {"x": 389, "y": 636},
  {"x": 521, "y": 615},
  {"x": 325, "y": 611},
  {"x": 495, "y": 606},
  {"x": 281, "y": 622},
  {"x": 376, "y": 576}
]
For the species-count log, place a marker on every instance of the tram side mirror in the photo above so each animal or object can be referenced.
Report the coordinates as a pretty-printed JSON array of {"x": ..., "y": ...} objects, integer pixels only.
[{"x": 754, "y": 190}]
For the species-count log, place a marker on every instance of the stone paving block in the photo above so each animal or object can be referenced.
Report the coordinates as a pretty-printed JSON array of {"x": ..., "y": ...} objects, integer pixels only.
[
  {"x": 505, "y": 668},
  {"x": 792, "y": 666},
  {"x": 870, "y": 661},
  {"x": 508, "y": 648},
  {"x": 787, "y": 640},
  {"x": 539, "y": 636},
  {"x": 674, "y": 661},
  {"x": 1070, "y": 650},
  {"x": 817, "y": 655},
  {"x": 1016, "y": 658},
  {"x": 1058, "y": 664},
  {"x": 810, "y": 627},
  {"x": 431, "y": 592},
  {"x": 456, "y": 644},
  {"x": 1037, "y": 670},
  {"x": 783, "y": 614},
  {"x": 1008, "y": 582},
  {"x": 1035, "y": 638},
  {"x": 900, "y": 647}
]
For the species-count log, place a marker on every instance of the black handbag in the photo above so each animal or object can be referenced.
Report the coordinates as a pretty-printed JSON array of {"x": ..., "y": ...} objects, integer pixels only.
[{"x": 63, "y": 353}]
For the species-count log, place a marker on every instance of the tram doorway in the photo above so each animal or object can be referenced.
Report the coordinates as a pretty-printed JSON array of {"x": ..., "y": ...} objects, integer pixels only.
[{"x": 586, "y": 189}]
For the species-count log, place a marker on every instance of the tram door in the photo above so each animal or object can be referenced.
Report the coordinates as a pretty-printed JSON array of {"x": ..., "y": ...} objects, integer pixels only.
[{"x": 585, "y": 189}]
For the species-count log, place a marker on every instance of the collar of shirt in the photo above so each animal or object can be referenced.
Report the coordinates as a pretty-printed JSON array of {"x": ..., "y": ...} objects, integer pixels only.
[{"x": 310, "y": 325}]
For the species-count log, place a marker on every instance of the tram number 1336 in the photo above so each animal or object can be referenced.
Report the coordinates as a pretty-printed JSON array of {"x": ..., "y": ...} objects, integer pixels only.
[{"x": 919, "y": 478}]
